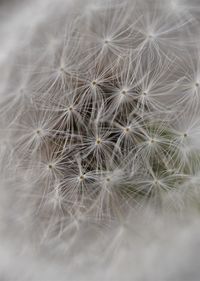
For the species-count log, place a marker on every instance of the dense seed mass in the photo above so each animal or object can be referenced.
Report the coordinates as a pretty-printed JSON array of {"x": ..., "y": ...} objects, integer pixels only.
[{"x": 108, "y": 117}]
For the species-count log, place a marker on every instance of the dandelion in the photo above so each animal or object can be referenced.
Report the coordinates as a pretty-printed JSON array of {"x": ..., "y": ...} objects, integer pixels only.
[{"x": 101, "y": 117}]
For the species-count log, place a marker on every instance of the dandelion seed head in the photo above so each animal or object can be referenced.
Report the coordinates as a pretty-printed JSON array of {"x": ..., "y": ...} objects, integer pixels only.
[{"x": 104, "y": 114}]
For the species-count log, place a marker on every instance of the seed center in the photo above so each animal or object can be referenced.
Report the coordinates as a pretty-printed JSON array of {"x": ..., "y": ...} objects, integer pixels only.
[
  {"x": 124, "y": 92},
  {"x": 82, "y": 177},
  {"x": 98, "y": 141}
]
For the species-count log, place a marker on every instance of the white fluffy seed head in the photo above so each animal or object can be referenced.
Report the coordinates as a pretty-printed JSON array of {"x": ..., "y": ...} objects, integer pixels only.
[{"x": 105, "y": 114}]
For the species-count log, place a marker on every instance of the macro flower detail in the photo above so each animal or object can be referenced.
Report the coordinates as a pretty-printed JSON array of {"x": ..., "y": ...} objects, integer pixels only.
[{"x": 100, "y": 118}]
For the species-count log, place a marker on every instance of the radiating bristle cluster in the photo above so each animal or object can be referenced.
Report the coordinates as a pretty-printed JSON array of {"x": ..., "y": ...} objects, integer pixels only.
[{"x": 103, "y": 116}]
